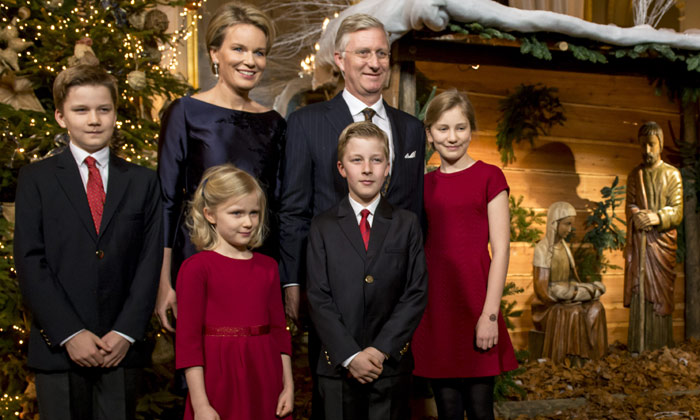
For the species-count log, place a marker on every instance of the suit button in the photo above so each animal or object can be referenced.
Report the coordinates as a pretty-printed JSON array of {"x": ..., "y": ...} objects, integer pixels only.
[
  {"x": 100, "y": 254},
  {"x": 369, "y": 279}
]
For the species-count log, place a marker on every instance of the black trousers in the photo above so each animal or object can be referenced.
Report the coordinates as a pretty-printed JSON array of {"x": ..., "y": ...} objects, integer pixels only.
[
  {"x": 387, "y": 398},
  {"x": 88, "y": 394}
]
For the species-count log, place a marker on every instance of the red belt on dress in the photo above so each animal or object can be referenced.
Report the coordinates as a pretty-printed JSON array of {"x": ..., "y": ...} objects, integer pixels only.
[{"x": 236, "y": 331}]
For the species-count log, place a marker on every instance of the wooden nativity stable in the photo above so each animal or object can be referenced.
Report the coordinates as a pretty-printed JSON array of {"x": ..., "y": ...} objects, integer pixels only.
[{"x": 604, "y": 104}]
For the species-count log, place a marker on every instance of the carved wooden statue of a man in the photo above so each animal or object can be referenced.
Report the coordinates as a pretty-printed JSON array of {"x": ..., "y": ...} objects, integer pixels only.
[{"x": 654, "y": 210}]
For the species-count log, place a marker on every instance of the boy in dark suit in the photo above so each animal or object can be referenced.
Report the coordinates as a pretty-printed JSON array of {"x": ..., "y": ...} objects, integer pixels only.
[
  {"x": 88, "y": 248},
  {"x": 367, "y": 287}
]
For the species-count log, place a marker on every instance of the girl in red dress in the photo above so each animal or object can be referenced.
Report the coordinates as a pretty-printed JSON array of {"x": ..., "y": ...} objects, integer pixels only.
[
  {"x": 231, "y": 334},
  {"x": 462, "y": 342}
]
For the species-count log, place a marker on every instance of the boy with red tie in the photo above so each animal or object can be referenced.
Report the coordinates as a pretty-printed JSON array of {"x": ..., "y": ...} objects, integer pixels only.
[
  {"x": 366, "y": 286},
  {"x": 88, "y": 248}
]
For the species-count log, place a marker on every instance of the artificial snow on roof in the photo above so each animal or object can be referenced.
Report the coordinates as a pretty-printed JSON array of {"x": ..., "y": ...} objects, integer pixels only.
[{"x": 402, "y": 16}]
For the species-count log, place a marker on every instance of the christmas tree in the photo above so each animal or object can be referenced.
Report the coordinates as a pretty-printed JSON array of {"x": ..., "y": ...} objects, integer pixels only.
[{"x": 38, "y": 39}]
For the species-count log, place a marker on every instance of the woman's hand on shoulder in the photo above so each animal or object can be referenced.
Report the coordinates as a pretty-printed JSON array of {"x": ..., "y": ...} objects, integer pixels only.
[
  {"x": 206, "y": 413},
  {"x": 487, "y": 331}
]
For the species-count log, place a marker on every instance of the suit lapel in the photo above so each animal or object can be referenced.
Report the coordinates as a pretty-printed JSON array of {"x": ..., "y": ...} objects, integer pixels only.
[
  {"x": 397, "y": 138},
  {"x": 380, "y": 227},
  {"x": 338, "y": 114},
  {"x": 69, "y": 178},
  {"x": 350, "y": 227},
  {"x": 116, "y": 187}
]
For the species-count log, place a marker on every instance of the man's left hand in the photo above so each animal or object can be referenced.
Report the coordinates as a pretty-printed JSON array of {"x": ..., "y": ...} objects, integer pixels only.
[{"x": 645, "y": 219}]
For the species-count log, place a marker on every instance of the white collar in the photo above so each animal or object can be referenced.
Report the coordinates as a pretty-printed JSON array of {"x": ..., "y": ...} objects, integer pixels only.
[
  {"x": 357, "y": 207},
  {"x": 101, "y": 156},
  {"x": 356, "y": 106}
]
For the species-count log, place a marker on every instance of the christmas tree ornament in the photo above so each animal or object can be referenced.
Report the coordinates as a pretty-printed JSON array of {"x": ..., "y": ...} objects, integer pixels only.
[
  {"x": 61, "y": 139},
  {"x": 18, "y": 93},
  {"x": 8, "y": 59},
  {"x": 10, "y": 31},
  {"x": 18, "y": 44},
  {"x": 138, "y": 19},
  {"x": 152, "y": 52},
  {"x": 83, "y": 54},
  {"x": 24, "y": 12},
  {"x": 157, "y": 21},
  {"x": 137, "y": 80}
]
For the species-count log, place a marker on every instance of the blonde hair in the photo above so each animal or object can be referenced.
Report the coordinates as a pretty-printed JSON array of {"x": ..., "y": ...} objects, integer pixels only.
[
  {"x": 219, "y": 184},
  {"x": 231, "y": 14},
  {"x": 354, "y": 23},
  {"x": 365, "y": 130},
  {"x": 446, "y": 101}
]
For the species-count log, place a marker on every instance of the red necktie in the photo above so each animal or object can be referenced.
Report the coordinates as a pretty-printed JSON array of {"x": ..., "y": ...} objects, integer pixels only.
[
  {"x": 95, "y": 192},
  {"x": 364, "y": 227}
]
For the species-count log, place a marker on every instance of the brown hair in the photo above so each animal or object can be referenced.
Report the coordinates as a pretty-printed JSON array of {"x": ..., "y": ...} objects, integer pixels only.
[
  {"x": 82, "y": 75},
  {"x": 365, "y": 130},
  {"x": 231, "y": 14},
  {"x": 651, "y": 128},
  {"x": 220, "y": 183},
  {"x": 354, "y": 23},
  {"x": 446, "y": 101}
]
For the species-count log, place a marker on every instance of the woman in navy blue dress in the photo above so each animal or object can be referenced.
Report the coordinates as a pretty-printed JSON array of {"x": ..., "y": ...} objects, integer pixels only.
[{"x": 220, "y": 125}]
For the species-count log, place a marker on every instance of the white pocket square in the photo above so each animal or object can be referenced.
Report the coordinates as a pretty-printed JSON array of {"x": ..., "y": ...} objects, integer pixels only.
[{"x": 410, "y": 155}]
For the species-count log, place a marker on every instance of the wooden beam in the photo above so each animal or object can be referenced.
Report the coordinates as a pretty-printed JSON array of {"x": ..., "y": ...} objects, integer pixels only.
[
  {"x": 474, "y": 50},
  {"x": 407, "y": 87}
]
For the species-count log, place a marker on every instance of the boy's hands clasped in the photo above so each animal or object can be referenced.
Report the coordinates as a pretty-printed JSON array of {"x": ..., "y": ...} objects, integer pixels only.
[
  {"x": 88, "y": 350},
  {"x": 367, "y": 365}
]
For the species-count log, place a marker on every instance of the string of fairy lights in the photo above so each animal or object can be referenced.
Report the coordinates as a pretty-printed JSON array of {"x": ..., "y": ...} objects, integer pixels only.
[
  {"x": 308, "y": 64},
  {"x": 85, "y": 18}
]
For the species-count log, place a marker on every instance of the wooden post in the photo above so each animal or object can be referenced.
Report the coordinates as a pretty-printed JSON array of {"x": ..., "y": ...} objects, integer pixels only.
[
  {"x": 692, "y": 231},
  {"x": 407, "y": 87}
]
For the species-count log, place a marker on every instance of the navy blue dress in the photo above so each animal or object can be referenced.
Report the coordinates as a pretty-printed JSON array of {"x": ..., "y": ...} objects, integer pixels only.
[{"x": 196, "y": 135}]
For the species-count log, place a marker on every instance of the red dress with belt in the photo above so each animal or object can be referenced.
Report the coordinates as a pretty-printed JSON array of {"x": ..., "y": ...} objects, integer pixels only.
[
  {"x": 231, "y": 322},
  {"x": 458, "y": 260}
]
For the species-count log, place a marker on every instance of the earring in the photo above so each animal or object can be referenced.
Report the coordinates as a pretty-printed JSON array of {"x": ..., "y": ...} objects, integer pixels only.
[{"x": 216, "y": 70}]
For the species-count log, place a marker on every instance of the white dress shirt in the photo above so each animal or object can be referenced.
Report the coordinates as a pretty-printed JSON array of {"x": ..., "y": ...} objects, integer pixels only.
[
  {"x": 380, "y": 119},
  {"x": 102, "y": 158}
]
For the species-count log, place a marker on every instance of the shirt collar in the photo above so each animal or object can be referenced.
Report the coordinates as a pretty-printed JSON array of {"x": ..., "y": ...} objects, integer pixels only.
[
  {"x": 101, "y": 156},
  {"x": 357, "y": 207},
  {"x": 356, "y": 106}
]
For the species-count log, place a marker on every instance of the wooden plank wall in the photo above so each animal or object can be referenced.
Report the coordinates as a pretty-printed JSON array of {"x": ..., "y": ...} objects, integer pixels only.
[{"x": 597, "y": 143}]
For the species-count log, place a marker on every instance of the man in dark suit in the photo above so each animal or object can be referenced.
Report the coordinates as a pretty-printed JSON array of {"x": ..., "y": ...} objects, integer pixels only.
[
  {"x": 311, "y": 184},
  {"x": 88, "y": 249},
  {"x": 367, "y": 287}
]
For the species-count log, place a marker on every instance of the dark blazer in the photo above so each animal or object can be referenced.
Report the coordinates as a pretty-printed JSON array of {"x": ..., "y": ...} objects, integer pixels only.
[
  {"x": 70, "y": 277},
  {"x": 361, "y": 298},
  {"x": 311, "y": 183}
]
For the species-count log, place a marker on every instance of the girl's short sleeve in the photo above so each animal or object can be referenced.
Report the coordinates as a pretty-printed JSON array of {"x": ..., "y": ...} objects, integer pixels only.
[{"x": 495, "y": 182}]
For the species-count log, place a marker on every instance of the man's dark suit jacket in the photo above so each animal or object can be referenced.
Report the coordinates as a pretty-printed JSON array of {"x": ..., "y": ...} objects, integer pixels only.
[
  {"x": 311, "y": 183},
  {"x": 361, "y": 298},
  {"x": 72, "y": 278}
]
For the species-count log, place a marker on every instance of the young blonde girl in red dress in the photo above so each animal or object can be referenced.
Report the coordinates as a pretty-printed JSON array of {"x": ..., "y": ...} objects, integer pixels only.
[
  {"x": 231, "y": 334},
  {"x": 462, "y": 342}
]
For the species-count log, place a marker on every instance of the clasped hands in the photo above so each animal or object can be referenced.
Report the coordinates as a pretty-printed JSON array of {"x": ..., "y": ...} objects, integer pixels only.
[
  {"x": 645, "y": 220},
  {"x": 88, "y": 350},
  {"x": 367, "y": 365}
]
